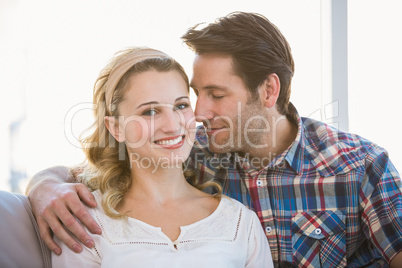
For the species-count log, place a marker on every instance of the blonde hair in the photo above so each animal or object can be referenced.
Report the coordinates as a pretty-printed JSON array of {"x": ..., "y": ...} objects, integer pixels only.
[{"x": 108, "y": 168}]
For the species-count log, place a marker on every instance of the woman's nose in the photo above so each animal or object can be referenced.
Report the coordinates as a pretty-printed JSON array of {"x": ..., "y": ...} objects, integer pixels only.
[{"x": 172, "y": 121}]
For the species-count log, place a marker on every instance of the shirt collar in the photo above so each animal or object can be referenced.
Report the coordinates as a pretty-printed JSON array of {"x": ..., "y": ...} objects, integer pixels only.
[{"x": 294, "y": 155}]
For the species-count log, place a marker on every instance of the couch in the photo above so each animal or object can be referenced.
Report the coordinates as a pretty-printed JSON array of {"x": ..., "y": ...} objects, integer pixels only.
[{"x": 20, "y": 243}]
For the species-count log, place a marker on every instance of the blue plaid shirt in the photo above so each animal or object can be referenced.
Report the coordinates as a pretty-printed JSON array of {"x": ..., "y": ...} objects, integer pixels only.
[{"x": 332, "y": 199}]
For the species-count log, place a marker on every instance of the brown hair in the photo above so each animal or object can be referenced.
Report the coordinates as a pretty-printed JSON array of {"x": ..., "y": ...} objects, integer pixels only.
[{"x": 257, "y": 48}]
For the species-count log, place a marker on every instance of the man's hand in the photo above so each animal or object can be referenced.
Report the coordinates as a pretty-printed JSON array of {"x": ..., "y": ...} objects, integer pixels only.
[{"x": 55, "y": 202}]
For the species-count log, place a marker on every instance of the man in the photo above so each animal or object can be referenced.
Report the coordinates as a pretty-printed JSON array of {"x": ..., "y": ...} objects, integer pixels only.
[{"x": 324, "y": 197}]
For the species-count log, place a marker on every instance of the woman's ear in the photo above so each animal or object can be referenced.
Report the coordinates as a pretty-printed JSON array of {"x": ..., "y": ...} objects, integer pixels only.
[
  {"x": 270, "y": 90},
  {"x": 113, "y": 126}
]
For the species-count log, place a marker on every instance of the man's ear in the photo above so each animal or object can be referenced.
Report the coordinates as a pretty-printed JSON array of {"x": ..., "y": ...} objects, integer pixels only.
[
  {"x": 113, "y": 126},
  {"x": 270, "y": 90}
]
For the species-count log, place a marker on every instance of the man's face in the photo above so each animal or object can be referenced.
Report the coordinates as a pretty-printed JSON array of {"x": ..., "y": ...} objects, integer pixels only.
[{"x": 224, "y": 106}]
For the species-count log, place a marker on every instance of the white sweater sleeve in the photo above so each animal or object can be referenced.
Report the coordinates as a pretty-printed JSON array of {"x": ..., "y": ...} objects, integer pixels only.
[
  {"x": 259, "y": 253},
  {"x": 87, "y": 258}
]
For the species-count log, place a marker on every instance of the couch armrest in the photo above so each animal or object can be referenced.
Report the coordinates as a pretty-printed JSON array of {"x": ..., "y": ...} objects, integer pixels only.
[{"x": 20, "y": 243}]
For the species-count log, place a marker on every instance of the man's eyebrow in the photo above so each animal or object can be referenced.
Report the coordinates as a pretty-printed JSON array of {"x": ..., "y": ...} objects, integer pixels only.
[
  {"x": 209, "y": 87},
  {"x": 156, "y": 103}
]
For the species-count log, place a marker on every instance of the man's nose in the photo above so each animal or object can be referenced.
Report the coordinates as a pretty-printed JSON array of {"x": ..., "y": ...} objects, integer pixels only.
[{"x": 203, "y": 110}]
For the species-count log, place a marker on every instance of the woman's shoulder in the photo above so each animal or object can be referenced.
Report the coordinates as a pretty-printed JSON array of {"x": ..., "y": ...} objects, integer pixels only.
[
  {"x": 238, "y": 210},
  {"x": 231, "y": 211},
  {"x": 121, "y": 230},
  {"x": 98, "y": 196},
  {"x": 234, "y": 204},
  {"x": 98, "y": 199},
  {"x": 228, "y": 223},
  {"x": 99, "y": 214}
]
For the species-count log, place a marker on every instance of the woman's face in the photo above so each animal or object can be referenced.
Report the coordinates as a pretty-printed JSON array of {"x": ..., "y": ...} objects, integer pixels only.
[{"x": 156, "y": 119}]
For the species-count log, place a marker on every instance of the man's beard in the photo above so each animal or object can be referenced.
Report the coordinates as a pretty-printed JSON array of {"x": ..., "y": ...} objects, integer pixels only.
[{"x": 245, "y": 132}]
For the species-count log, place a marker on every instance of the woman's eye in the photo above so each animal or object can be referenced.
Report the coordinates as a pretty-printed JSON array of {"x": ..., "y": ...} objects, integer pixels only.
[
  {"x": 181, "y": 106},
  {"x": 149, "y": 112}
]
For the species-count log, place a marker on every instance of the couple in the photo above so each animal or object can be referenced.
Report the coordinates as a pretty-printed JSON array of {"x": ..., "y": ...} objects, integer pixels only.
[
  {"x": 325, "y": 198},
  {"x": 150, "y": 215}
]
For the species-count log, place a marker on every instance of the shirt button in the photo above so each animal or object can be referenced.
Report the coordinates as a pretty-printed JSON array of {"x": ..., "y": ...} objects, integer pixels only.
[
  {"x": 259, "y": 183},
  {"x": 268, "y": 229},
  {"x": 317, "y": 231}
]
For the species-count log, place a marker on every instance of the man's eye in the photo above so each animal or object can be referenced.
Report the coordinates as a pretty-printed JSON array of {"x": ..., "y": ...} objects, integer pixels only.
[
  {"x": 149, "y": 112},
  {"x": 217, "y": 97},
  {"x": 181, "y": 106}
]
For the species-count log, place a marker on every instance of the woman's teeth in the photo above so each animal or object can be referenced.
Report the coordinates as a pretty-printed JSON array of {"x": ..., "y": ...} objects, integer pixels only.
[{"x": 170, "y": 142}]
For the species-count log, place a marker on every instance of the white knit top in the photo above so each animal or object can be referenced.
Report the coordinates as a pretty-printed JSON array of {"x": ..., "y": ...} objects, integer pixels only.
[{"x": 231, "y": 236}]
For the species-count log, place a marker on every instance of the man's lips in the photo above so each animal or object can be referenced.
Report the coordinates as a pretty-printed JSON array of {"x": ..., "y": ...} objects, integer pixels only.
[{"x": 213, "y": 131}]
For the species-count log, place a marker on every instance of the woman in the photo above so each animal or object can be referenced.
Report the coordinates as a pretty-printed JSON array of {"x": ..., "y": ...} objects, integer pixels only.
[{"x": 150, "y": 215}]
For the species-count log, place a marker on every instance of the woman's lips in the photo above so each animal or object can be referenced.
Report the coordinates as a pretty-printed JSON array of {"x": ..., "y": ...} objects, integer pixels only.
[{"x": 171, "y": 142}]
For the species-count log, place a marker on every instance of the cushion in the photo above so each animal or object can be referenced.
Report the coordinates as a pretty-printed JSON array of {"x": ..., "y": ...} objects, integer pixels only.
[{"x": 20, "y": 243}]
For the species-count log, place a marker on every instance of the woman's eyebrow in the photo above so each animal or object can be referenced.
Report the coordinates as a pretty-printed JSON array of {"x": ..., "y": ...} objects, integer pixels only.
[
  {"x": 182, "y": 97},
  {"x": 155, "y": 102},
  {"x": 147, "y": 103}
]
